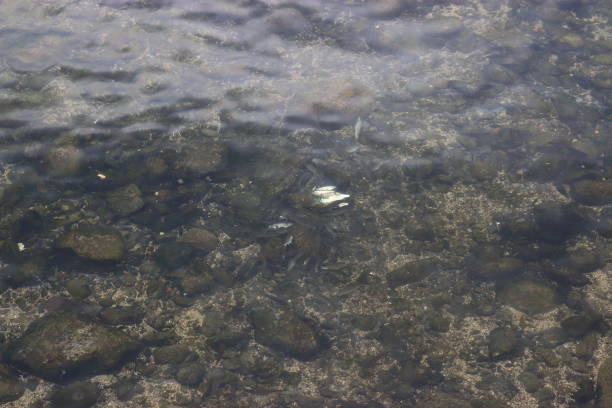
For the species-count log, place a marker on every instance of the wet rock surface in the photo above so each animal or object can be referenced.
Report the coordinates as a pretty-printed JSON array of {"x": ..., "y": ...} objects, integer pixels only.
[{"x": 63, "y": 345}]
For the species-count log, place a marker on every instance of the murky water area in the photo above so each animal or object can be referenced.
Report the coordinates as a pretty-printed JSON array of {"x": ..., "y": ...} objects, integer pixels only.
[{"x": 266, "y": 203}]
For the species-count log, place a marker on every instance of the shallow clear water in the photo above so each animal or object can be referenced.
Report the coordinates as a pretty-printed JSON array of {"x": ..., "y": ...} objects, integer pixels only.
[{"x": 388, "y": 203}]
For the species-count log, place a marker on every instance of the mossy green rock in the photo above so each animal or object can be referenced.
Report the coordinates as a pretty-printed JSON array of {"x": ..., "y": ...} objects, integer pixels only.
[
  {"x": 77, "y": 395},
  {"x": 10, "y": 386},
  {"x": 96, "y": 243},
  {"x": 529, "y": 297},
  {"x": 285, "y": 331},
  {"x": 126, "y": 200},
  {"x": 62, "y": 345}
]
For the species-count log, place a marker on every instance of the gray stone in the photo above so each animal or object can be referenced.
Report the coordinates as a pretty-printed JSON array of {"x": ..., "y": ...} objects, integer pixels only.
[{"x": 604, "y": 384}]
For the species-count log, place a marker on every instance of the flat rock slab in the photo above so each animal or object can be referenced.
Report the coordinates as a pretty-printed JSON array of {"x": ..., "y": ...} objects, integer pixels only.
[{"x": 63, "y": 345}]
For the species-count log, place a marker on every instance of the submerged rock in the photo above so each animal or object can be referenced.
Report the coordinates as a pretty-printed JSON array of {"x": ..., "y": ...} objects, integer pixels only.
[
  {"x": 592, "y": 192},
  {"x": 529, "y": 297},
  {"x": 64, "y": 161},
  {"x": 604, "y": 384},
  {"x": 557, "y": 222},
  {"x": 63, "y": 345},
  {"x": 77, "y": 395},
  {"x": 200, "y": 238},
  {"x": 503, "y": 341},
  {"x": 172, "y": 354},
  {"x": 96, "y": 243},
  {"x": 202, "y": 159},
  {"x": 285, "y": 331},
  {"x": 10, "y": 386},
  {"x": 172, "y": 255},
  {"x": 411, "y": 272},
  {"x": 126, "y": 200}
]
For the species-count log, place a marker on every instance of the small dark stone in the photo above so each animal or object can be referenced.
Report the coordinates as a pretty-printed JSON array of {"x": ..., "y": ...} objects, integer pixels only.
[
  {"x": 285, "y": 331},
  {"x": 529, "y": 297},
  {"x": 173, "y": 255},
  {"x": 77, "y": 395},
  {"x": 411, "y": 272},
  {"x": 499, "y": 269},
  {"x": 579, "y": 325},
  {"x": 557, "y": 223},
  {"x": 172, "y": 354},
  {"x": 202, "y": 158},
  {"x": 503, "y": 341},
  {"x": 126, "y": 200},
  {"x": 97, "y": 243},
  {"x": 200, "y": 238},
  {"x": 122, "y": 315},
  {"x": 193, "y": 285},
  {"x": 604, "y": 384},
  {"x": 190, "y": 374},
  {"x": 438, "y": 322},
  {"x": 587, "y": 346},
  {"x": 585, "y": 391},
  {"x": 64, "y": 161},
  {"x": 592, "y": 192},
  {"x": 78, "y": 288},
  {"x": 564, "y": 273},
  {"x": 78, "y": 346},
  {"x": 604, "y": 224},
  {"x": 530, "y": 381},
  {"x": 498, "y": 73},
  {"x": 126, "y": 390},
  {"x": 584, "y": 260},
  {"x": 10, "y": 386},
  {"x": 414, "y": 374}
]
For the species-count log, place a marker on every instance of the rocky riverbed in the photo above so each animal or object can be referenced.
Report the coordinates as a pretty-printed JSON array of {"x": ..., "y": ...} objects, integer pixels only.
[{"x": 386, "y": 203}]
